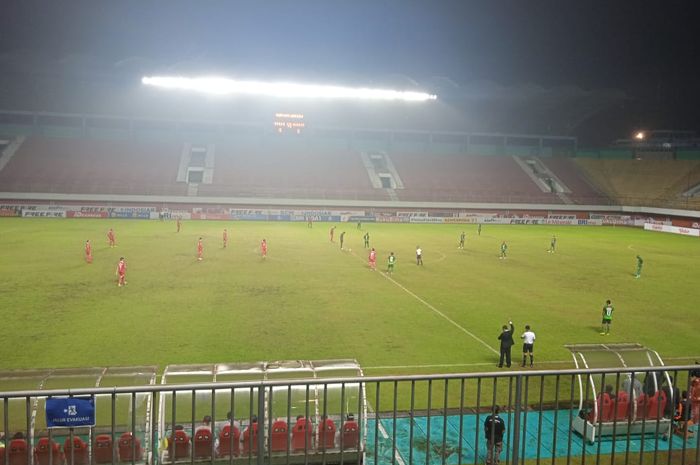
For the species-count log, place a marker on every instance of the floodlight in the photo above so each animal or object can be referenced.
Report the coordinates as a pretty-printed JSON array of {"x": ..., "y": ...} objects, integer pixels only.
[
  {"x": 640, "y": 135},
  {"x": 225, "y": 86}
]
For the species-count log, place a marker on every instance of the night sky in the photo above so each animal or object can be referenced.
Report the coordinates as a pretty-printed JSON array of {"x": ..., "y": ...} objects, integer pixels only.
[{"x": 649, "y": 50}]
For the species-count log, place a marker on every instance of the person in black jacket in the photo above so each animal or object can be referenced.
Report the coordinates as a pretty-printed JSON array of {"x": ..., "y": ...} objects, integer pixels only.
[
  {"x": 494, "y": 428},
  {"x": 506, "y": 338}
]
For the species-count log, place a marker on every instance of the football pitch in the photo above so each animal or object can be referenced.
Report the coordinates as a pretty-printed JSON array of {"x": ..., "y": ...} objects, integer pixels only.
[{"x": 310, "y": 300}]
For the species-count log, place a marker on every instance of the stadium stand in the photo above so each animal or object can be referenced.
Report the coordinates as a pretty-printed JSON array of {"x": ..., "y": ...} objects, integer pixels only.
[
  {"x": 583, "y": 191},
  {"x": 294, "y": 173},
  {"x": 461, "y": 178},
  {"x": 87, "y": 166},
  {"x": 644, "y": 182}
]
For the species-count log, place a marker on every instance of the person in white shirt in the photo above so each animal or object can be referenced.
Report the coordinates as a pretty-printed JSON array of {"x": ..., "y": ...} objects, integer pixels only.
[
  {"x": 528, "y": 338},
  {"x": 419, "y": 255}
]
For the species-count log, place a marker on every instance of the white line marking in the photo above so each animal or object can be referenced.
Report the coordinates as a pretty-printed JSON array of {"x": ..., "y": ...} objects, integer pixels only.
[
  {"x": 461, "y": 328},
  {"x": 452, "y": 365}
]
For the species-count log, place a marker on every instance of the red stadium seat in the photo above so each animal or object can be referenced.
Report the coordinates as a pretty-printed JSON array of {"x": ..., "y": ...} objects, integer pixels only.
[
  {"x": 605, "y": 409},
  {"x": 179, "y": 445},
  {"x": 225, "y": 440},
  {"x": 623, "y": 406},
  {"x": 126, "y": 445},
  {"x": 351, "y": 434},
  {"x": 326, "y": 434},
  {"x": 202, "y": 442},
  {"x": 651, "y": 407},
  {"x": 250, "y": 440},
  {"x": 80, "y": 451},
  {"x": 279, "y": 436},
  {"x": 103, "y": 449},
  {"x": 302, "y": 435},
  {"x": 44, "y": 449},
  {"x": 18, "y": 452}
]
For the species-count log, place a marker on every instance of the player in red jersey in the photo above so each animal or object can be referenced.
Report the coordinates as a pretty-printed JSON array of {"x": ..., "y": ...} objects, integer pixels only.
[
  {"x": 225, "y": 238},
  {"x": 200, "y": 249},
  {"x": 111, "y": 239},
  {"x": 372, "y": 259},
  {"x": 178, "y": 224},
  {"x": 121, "y": 272},
  {"x": 88, "y": 251},
  {"x": 263, "y": 248}
]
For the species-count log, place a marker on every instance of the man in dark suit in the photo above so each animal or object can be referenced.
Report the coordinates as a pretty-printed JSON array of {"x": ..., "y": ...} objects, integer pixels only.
[{"x": 506, "y": 338}]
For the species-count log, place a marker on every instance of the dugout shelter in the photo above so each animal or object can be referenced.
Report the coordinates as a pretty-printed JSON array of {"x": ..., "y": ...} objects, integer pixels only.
[
  {"x": 306, "y": 419},
  {"x": 625, "y": 403}
]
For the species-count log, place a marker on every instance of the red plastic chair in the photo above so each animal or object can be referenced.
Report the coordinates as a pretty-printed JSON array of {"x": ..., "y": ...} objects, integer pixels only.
[
  {"x": 179, "y": 445},
  {"x": 225, "y": 442},
  {"x": 17, "y": 452},
  {"x": 202, "y": 442},
  {"x": 326, "y": 434},
  {"x": 80, "y": 451},
  {"x": 250, "y": 440},
  {"x": 302, "y": 435},
  {"x": 623, "y": 406},
  {"x": 44, "y": 449},
  {"x": 126, "y": 445},
  {"x": 102, "y": 451},
  {"x": 351, "y": 434},
  {"x": 279, "y": 436}
]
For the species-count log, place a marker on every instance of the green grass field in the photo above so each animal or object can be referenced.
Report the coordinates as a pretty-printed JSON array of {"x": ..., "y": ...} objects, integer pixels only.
[{"x": 310, "y": 300}]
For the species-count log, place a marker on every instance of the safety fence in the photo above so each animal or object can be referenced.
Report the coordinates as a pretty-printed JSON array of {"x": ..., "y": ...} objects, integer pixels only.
[{"x": 637, "y": 415}]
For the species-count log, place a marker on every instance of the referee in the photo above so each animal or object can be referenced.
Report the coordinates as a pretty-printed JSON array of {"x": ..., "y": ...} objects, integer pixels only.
[{"x": 528, "y": 338}]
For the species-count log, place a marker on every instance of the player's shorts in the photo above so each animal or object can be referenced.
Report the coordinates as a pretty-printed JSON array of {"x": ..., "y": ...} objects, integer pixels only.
[
  {"x": 606, "y": 321},
  {"x": 528, "y": 348},
  {"x": 390, "y": 266}
]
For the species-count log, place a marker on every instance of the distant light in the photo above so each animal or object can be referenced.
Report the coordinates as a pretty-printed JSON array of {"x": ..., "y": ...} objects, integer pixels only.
[
  {"x": 224, "y": 86},
  {"x": 639, "y": 136}
]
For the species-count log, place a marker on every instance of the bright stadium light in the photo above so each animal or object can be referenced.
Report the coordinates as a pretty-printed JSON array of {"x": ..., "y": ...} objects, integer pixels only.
[
  {"x": 224, "y": 86},
  {"x": 639, "y": 136}
]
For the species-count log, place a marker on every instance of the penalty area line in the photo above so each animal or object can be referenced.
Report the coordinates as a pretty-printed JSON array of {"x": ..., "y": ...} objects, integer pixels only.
[{"x": 431, "y": 307}]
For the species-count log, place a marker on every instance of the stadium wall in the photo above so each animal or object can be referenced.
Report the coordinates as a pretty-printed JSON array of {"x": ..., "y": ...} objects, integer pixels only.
[{"x": 162, "y": 207}]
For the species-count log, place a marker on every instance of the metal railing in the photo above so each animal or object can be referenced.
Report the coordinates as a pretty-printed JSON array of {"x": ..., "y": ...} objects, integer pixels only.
[{"x": 397, "y": 420}]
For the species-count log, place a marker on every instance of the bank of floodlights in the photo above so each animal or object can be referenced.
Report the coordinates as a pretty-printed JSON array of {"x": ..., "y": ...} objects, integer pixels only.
[{"x": 224, "y": 86}]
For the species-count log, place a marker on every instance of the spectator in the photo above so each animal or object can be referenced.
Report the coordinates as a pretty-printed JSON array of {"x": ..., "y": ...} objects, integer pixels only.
[
  {"x": 636, "y": 386},
  {"x": 673, "y": 398},
  {"x": 494, "y": 428}
]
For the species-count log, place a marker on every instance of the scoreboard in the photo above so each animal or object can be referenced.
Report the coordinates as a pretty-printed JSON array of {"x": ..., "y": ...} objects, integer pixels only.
[{"x": 289, "y": 123}]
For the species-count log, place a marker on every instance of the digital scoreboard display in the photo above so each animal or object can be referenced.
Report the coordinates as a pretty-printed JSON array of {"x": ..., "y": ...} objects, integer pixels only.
[{"x": 289, "y": 123}]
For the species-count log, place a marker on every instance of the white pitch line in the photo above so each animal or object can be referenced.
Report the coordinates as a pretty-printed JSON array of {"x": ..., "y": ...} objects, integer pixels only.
[
  {"x": 453, "y": 365},
  {"x": 461, "y": 328}
]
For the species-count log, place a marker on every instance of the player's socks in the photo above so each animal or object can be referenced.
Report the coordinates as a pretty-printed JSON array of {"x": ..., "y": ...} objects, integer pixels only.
[{"x": 532, "y": 360}]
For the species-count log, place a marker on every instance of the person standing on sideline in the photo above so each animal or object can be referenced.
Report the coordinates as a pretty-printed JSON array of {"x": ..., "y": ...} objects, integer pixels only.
[
  {"x": 331, "y": 233},
  {"x": 390, "y": 263},
  {"x": 225, "y": 238},
  {"x": 494, "y": 428},
  {"x": 419, "y": 256},
  {"x": 552, "y": 244},
  {"x": 342, "y": 239},
  {"x": 359, "y": 225},
  {"x": 366, "y": 238},
  {"x": 640, "y": 262},
  {"x": 504, "y": 250},
  {"x": 372, "y": 259},
  {"x": 528, "y": 338},
  {"x": 506, "y": 338},
  {"x": 309, "y": 222},
  {"x": 88, "y": 251},
  {"x": 478, "y": 229},
  {"x": 200, "y": 250},
  {"x": 110, "y": 237},
  {"x": 263, "y": 248},
  {"x": 178, "y": 224},
  {"x": 121, "y": 272},
  {"x": 607, "y": 318},
  {"x": 461, "y": 240}
]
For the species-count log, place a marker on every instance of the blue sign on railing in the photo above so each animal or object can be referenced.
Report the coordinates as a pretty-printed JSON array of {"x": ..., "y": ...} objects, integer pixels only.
[{"x": 70, "y": 411}]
